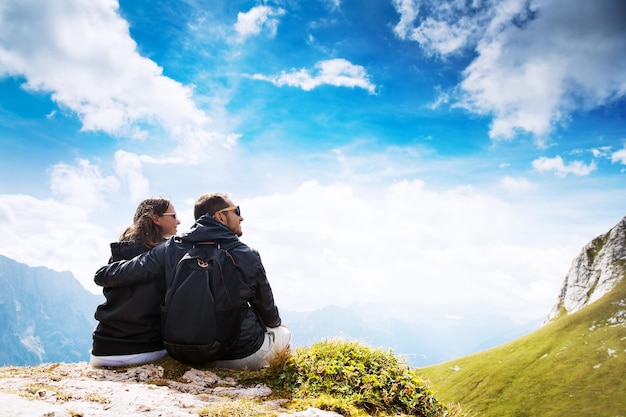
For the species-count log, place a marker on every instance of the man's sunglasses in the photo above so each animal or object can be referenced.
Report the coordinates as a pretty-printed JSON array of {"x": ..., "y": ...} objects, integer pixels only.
[{"x": 235, "y": 208}]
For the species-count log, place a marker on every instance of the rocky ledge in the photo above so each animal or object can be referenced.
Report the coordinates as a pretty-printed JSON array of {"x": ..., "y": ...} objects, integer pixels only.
[{"x": 78, "y": 390}]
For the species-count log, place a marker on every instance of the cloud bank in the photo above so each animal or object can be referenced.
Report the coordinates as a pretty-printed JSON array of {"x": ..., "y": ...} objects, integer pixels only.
[
  {"x": 98, "y": 75},
  {"x": 536, "y": 61}
]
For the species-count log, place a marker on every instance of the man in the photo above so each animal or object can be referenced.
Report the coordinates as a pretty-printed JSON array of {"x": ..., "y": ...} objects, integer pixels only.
[{"x": 262, "y": 335}]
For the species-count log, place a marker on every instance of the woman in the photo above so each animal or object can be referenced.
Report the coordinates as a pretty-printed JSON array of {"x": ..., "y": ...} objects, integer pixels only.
[{"x": 129, "y": 329}]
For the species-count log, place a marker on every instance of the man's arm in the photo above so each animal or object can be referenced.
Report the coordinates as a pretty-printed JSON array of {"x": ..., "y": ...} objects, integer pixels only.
[
  {"x": 263, "y": 300},
  {"x": 140, "y": 269}
]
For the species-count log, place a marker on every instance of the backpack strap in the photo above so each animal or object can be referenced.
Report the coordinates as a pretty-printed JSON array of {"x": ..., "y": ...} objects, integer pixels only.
[
  {"x": 226, "y": 246},
  {"x": 217, "y": 245}
]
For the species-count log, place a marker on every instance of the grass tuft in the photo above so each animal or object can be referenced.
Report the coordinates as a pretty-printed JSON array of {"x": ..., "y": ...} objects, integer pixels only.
[
  {"x": 351, "y": 379},
  {"x": 238, "y": 408}
]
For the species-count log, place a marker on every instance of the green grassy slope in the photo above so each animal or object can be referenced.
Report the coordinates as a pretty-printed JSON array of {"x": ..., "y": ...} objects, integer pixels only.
[{"x": 575, "y": 366}]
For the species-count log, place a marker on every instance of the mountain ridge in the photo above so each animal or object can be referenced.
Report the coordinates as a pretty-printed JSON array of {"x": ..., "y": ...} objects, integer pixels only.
[{"x": 41, "y": 312}]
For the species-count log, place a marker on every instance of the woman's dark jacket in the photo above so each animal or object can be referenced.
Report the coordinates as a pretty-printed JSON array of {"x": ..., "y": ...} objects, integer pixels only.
[
  {"x": 259, "y": 310},
  {"x": 129, "y": 319}
]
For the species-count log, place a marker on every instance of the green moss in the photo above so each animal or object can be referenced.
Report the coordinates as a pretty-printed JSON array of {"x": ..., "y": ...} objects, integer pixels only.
[{"x": 596, "y": 245}]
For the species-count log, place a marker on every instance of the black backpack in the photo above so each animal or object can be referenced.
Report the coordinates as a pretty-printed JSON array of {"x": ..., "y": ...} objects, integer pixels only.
[{"x": 200, "y": 317}]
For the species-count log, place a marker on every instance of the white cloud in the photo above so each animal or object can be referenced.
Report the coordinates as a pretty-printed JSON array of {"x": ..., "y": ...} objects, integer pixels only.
[
  {"x": 81, "y": 185},
  {"x": 438, "y": 36},
  {"x": 512, "y": 184},
  {"x": 405, "y": 249},
  {"x": 556, "y": 165},
  {"x": 52, "y": 234},
  {"x": 601, "y": 152},
  {"x": 128, "y": 166},
  {"x": 333, "y": 4},
  {"x": 408, "y": 10},
  {"x": 337, "y": 72},
  {"x": 442, "y": 98},
  {"x": 446, "y": 27},
  {"x": 536, "y": 63},
  {"x": 81, "y": 52},
  {"x": 256, "y": 19},
  {"x": 619, "y": 156},
  {"x": 200, "y": 145}
]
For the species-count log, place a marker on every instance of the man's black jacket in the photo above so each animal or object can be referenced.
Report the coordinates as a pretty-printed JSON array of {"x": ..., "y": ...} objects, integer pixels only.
[{"x": 160, "y": 264}]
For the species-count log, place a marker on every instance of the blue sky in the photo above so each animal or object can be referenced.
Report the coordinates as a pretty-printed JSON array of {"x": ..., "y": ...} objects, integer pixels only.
[{"x": 413, "y": 158}]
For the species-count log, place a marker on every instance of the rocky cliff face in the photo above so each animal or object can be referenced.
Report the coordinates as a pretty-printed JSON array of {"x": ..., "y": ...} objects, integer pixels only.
[{"x": 594, "y": 272}]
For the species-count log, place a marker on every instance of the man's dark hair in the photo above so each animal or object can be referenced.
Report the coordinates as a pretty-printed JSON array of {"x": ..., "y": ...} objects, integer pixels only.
[{"x": 209, "y": 204}]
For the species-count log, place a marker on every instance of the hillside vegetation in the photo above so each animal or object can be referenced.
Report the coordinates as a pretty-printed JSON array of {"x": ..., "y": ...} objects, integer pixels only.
[{"x": 573, "y": 366}]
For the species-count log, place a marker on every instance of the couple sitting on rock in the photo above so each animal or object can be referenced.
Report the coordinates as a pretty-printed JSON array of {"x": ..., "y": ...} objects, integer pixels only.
[{"x": 129, "y": 328}]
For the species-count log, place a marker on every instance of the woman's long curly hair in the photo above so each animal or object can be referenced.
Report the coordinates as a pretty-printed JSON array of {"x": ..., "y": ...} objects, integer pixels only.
[{"x": 143, "y": 229}]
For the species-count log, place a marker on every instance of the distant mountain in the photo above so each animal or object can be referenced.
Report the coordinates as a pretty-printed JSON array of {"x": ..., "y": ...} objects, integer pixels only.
[
  {"x": 413, "y": 341},
  {"x": 45, "y": 316},
  {"x": 572, "y": 366},
  {"x": 421, "y": 341}
]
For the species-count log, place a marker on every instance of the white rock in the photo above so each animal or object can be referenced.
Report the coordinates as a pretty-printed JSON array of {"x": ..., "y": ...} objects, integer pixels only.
[{"x": 594, "y": 272}]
